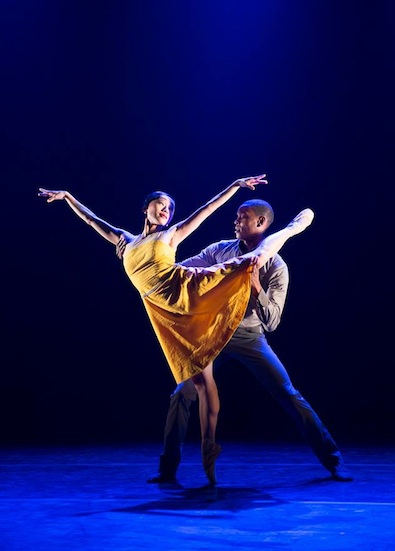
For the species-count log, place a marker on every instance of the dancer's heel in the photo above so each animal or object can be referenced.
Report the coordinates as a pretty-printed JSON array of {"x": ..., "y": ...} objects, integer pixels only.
[{"x": 210, "y": 453}]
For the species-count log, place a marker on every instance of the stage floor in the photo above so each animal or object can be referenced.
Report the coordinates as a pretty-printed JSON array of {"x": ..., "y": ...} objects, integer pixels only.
[{"x": 269, "y": 496}]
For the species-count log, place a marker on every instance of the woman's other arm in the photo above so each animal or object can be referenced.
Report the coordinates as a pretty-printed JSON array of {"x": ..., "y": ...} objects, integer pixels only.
[{"x": 103, "y": 228}]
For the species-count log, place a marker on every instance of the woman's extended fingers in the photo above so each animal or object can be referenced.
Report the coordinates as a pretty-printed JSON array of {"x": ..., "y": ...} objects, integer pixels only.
[
  {"x": 253, "y": 181},
  {"x": 50, "y": 194},
  {"x": 44, "y": 192},
  {"x": 258, "y": 179}
]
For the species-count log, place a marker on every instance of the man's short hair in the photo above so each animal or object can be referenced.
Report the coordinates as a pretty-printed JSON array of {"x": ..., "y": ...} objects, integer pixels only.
[{"x": 261, "y": 208}]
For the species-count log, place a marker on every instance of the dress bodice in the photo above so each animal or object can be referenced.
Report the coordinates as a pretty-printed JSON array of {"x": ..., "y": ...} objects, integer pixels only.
[{"x": 148, "y": 262}]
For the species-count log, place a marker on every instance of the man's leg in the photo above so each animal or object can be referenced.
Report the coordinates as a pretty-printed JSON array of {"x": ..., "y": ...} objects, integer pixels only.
[
  {"x": 175, "y": 431},
  {"x": 252, "y": 350}
]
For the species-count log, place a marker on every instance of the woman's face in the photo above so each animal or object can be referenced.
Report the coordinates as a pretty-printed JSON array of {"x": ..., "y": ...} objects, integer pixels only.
[{"x": 160, "y": 211}]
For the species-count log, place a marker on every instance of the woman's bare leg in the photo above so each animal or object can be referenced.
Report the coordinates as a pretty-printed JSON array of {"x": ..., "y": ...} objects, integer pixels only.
[
  {"x": 208, "y": 414},
  {"x": 273, "y": 243}
]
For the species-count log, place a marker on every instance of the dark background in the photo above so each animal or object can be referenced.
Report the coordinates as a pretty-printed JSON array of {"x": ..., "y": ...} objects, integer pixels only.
[{"x": 114, "y": 99}]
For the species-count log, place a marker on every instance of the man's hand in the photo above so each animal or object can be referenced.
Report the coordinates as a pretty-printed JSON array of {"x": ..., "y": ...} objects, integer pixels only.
[
  {"x": 256, "y": 286},
  {"x": 121, "y": 245}
]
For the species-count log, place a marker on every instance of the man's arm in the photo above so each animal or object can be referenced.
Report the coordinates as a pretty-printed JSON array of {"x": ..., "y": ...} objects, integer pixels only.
[
  {"x": 204, "y": 259},
  {"x": 270, "y": 293}
]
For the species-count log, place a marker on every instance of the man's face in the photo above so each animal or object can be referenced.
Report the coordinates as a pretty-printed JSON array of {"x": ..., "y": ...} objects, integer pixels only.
[{"x": 248, "y": 224}]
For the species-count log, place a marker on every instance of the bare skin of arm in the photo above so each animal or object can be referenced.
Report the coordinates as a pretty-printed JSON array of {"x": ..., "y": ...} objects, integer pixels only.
[
  {"x": 183, "y": 229},
  {"x": 103, "y": 228},
  {"x": 176, "y": 234}
]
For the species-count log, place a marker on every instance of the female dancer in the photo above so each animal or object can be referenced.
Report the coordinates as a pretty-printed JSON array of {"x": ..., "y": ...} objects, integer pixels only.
[{"x": 194, "y": 311}]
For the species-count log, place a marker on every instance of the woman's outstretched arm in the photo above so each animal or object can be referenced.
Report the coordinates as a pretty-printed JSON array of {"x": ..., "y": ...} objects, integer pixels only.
[
  {"x": 190, "y": 224},
  {"x": 103, "y": 228}
]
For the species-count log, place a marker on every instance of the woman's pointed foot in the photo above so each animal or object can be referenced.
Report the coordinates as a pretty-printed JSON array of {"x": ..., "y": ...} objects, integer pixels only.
[
  {"x": 301, "y": 221},
  {"x": 210, "y": 453}
]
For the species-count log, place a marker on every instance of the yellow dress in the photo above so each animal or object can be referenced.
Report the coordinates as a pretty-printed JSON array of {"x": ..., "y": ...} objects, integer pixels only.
[{"x": 194, "y": 311}]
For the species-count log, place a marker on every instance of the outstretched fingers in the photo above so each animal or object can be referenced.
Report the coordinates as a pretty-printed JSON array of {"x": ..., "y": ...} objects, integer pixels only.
[
  {"x": 253, "y": 181},
  {"x": 50, "y": 195}
]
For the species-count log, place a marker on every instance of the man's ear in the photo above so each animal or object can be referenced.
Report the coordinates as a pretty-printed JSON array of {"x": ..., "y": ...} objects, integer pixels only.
[{"x": 261, "y": 221}]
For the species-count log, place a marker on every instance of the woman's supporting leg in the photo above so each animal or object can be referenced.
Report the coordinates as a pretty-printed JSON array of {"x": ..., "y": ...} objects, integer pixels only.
[
  {"x": 208, "y": 403},
  {"x": 208, "y": 414}
]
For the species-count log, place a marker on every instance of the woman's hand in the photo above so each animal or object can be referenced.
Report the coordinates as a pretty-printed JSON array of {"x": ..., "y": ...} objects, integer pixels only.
[
  {"x": 51, "y": 194},
  {"x": 252, "y": 181}
]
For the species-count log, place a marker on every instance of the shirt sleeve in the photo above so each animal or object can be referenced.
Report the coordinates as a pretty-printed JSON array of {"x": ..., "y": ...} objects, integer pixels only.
[
  {"x": 207, "y": 257},
  {"x": 271, "y": 300}
]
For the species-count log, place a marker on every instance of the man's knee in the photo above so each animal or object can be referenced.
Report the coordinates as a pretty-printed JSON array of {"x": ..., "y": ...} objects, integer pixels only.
[{"x": 185, "y": 391}]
